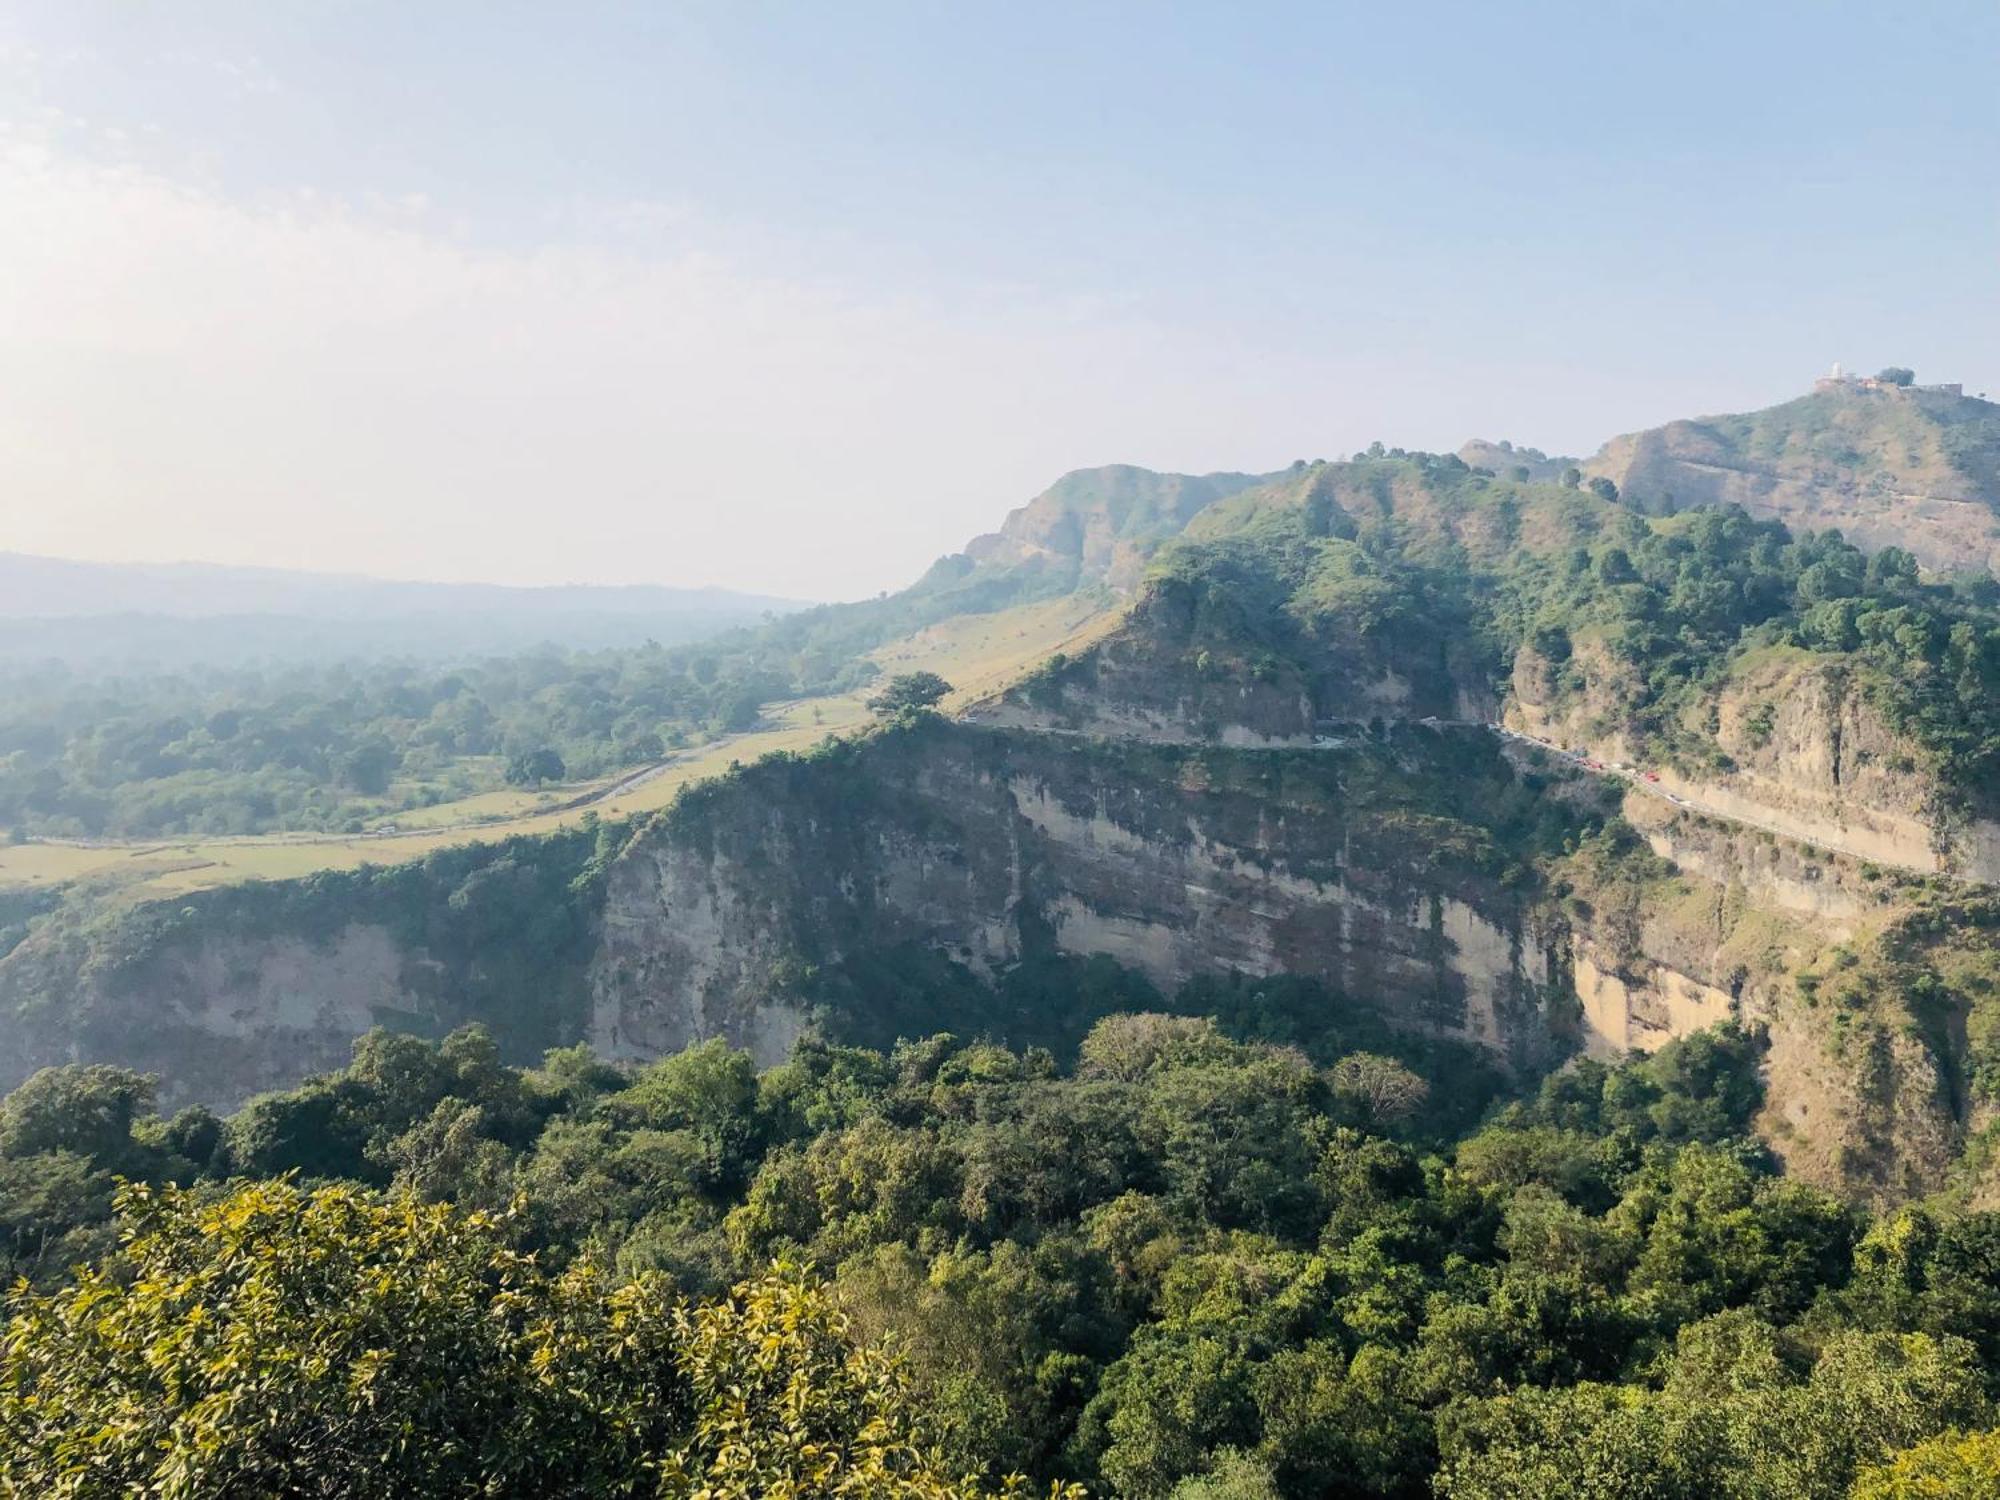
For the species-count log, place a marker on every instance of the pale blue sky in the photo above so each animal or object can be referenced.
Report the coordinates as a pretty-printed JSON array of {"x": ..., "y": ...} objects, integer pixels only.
[{"x": 797, "y": 297}]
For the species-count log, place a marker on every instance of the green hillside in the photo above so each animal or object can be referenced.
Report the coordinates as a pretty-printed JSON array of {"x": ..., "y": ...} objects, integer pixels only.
[
  {"x": 1438, "y": 576},
  {"x": 1889, "y": 466},
  {"x": 1217, "y": 1066}
]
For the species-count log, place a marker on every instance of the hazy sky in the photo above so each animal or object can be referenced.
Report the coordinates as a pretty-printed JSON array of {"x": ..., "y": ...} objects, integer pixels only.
[{"x": 796, "y": 298}]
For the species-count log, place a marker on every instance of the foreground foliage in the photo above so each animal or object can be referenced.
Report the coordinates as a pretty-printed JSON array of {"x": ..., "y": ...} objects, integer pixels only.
[
  {"x": 281, "y": 1342},
  {"x": 1187, "y": 1264}
]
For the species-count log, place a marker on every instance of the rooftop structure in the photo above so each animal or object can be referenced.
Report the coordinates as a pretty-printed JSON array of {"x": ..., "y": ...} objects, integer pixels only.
[{"x": 1839, "y": 380}]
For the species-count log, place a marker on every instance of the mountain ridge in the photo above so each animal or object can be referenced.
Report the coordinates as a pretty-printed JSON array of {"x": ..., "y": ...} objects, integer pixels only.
[
  {"x": 1105, "y": 520},
  {"x": 35, "y": 586}
]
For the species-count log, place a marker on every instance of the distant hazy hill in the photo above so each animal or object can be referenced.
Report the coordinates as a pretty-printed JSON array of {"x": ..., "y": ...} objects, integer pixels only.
[
  {"x": 1509, "y": 462},
  {"x": 1911, "y": 468},
  {"x": 201, "y": 611},
  {"x": 51, "y": 586},
  {"x": 1104, "y": 522}
]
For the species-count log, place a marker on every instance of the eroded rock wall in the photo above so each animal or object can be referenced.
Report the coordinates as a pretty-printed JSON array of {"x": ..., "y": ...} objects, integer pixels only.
[
  {"x": 238, "y": 990},
  {"x": 219, "y": 1016},
  {"x": 983, "y": 845},
  {"x": 1808, "y": 758}
]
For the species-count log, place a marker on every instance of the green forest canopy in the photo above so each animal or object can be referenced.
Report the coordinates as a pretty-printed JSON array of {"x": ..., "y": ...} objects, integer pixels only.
[{"x": 1190, "y": 1264}]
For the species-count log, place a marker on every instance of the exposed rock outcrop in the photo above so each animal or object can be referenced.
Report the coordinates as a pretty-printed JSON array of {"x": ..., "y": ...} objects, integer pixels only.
[
  {"x": 1906, "y": 468},
  {"x": 984, "y": 846},
  {"x": 1103, "y": 524},
  {"x": 1804, "y": 755},
  {"x": 241, "y": 989}
]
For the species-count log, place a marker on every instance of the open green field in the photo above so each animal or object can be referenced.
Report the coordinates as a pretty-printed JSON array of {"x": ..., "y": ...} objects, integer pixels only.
[
  {"x": 978, "y": 654},
  {"x": 510, "y": 802}
]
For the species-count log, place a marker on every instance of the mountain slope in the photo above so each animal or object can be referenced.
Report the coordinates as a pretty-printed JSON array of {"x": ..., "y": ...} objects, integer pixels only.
[
  {"x": 1103, "y": 523},
  {"x": 1913, "y": 468},
  {"x": 1792, "y": 682}
]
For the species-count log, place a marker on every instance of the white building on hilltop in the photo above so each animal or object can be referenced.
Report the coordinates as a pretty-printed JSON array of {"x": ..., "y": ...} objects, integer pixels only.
[{"x": 1839, "y": 380}]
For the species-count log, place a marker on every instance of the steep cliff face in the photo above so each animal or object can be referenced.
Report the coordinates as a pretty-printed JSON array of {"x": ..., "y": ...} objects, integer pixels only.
[
  {"x": 1873, "y": 1115},
  {"x": 243, "y": 989},
  {"x": 1156, "y": 678},
  {"x": 1839, "y": 892},
  {"x": 1801, "y": 753},
  {"x": 1394, "y": 873},
  {"x": 1177, "y": 670},
  {"x": 1403, "y": 874},
  {"x": 990, "y": 847},
  {"x": 217, "y": 1017},
  {"x": 1440, "y": 876}
]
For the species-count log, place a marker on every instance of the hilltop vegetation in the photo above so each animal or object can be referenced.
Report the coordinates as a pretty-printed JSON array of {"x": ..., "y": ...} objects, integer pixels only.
[
  {"x": 1422, "y": 567},
  {"x": 1191, "y": 1264},
  {"x": 1890, "y": 465}
]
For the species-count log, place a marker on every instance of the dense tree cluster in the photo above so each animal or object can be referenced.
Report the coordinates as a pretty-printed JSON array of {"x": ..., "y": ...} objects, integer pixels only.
[
  {"x": 1187, "y": 1263},
  {"x": 909, "y": 692},
  {"x": 274, "y": 1341},
  {"x": 244, "y": 750}
]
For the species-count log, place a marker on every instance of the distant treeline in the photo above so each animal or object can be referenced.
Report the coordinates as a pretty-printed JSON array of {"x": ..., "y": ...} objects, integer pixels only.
[{"x": 86, "y": 751}]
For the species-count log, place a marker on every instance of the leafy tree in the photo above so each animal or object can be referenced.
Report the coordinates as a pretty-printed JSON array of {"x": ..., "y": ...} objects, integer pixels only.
[
  {"x": 319, "y": 1130},
  {"x": 197, "y": 1136},
  {"x": 1173, "y": 1398},
  {"x": 1381, "y": 1090},
  {"x": 283, "y": 1342},
  {"x": 55, "y": 1210},
  {"x": 710, "y": 1091},
  {"x": 368, "y": 767},
  {"x": 1896, "y": 375},
  {"x": 1231, "y": 1476},
  {"x": 1954, "y": 1466},
  {"x": 533, "y": 767},
  {"x": 785, "y": 1403},
  {"x": 910, "y": 690},
  {"x": 280, "y": 1342},
  {"x": 88, "y": 1110}
]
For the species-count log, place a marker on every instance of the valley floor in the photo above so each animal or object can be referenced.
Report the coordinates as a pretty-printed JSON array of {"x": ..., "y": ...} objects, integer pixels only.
[{"x": 977, "y": 653}]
